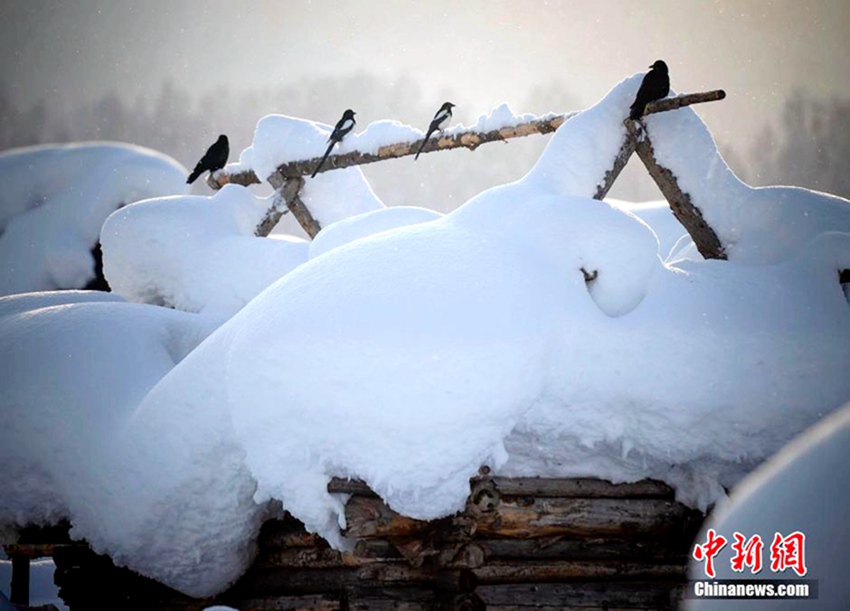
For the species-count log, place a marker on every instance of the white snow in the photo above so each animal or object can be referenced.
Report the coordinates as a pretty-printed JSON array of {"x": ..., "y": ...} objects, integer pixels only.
[
  {"x": 806, "y": 488},
  {"x": 54, "y": 200},
  {"x": 411, "y": 348},
  {"x": 200, "y": 253},
  {"x": 758, "y": 226},
  {"x": 366, "y": 224}
]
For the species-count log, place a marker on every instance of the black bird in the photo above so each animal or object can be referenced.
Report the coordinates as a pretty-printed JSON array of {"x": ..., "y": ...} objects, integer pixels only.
[
  {"x": 214, "y": 159},
  {"x": 341, "y": 129},
  {"x": 655, "y": 85},
  {"x": 439, "y": 121}
]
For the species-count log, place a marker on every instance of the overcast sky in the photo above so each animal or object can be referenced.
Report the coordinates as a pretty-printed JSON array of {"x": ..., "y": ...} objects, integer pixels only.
[{"x": 484, "y": 52}]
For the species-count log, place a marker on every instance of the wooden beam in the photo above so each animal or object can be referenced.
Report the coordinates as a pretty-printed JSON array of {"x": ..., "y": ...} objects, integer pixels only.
[
  {"x": 527, "y": 518},
  {"x": 681, "y": 203},
  {"x": 469, "y": 139},
  {"x": 20, "y": 588},
  {"x": 287, "y": 192}
]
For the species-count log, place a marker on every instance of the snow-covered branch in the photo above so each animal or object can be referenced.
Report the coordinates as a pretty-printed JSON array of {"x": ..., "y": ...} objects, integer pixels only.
[{"x": 470, "y": 139}]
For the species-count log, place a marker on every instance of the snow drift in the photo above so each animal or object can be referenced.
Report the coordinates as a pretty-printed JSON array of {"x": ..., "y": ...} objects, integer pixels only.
[{"x": 54, "y": 200}]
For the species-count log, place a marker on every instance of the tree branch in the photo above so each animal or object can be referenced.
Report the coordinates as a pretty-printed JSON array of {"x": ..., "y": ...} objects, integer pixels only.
[
  {"x": 287, "y": 190},
  {"x": 463, "y": 139},
  {"x": 704, "y": 237}
]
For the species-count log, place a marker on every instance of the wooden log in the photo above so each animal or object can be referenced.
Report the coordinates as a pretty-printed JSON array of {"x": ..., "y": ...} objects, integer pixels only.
[
  {"x": 584, "y": 595},
  {"x": 611, "y": 175},
  {"x": 287, "y": 532},
  {"x": 565, "y": 487},
  {"x": 527, "y": 518},
  {"x": 286, "y": 194},
  {"x": 580, "y": 487},
  {"x": 461, "y": 139},
  {"x": 685, "y": 99},
  {"x": 317, "y": 602},
  {"x": 370, "y": 517},
  {"x": 263, "y": 581},
  {"x": 684, "y": 209},
  {"x": 665, "y": 549},
  {"x": 534, "y": 572},
  {"x": 246, "y": 178},
  {"x": 311, "y": 558},
  {"x": 546, "y": 517},
  {"x": 20, "y": 587},
  {"x": 469, "y": 139},
  {"x": 350, "y": 486}
]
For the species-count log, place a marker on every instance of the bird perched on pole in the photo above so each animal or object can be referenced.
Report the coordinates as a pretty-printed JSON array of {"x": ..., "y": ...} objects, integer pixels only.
[
  {"x": 440, "y": 120},
  {"x": 655, "y": 85},
  {"x": 214, "y": 159},
  {"x": 341, "y": 129}
]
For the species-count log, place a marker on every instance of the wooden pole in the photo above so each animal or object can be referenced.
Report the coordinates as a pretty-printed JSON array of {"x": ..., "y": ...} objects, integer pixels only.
[
  {"x": 20, "y": 590},
  {"x": 469, "y": 139},
  {"x": 681, "y": 203}
]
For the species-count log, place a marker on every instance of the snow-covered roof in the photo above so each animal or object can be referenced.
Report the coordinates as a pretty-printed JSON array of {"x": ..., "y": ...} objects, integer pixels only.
[{"x": 55, "y": 199}]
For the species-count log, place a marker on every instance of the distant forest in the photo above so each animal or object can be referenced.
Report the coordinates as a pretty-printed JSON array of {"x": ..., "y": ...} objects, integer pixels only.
[{"x": 811, "y": 148}]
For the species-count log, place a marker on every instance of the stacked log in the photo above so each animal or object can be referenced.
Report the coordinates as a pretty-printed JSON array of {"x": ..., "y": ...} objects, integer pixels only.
[{"x": 519, "y": 543}]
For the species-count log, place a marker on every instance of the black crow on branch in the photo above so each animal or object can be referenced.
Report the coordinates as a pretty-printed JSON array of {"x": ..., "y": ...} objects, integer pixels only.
[
  {"x": 214, "y": 159},
  {"x": 343, "y": 126},
  {"x": 655, "y": 85},
  {"x": 440, "y": 120}
]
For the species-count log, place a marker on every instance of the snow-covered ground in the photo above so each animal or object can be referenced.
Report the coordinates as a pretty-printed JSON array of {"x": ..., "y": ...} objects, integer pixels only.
[
  {"x": 407, "y": 348},
  {"x": 55, "y": 199}
]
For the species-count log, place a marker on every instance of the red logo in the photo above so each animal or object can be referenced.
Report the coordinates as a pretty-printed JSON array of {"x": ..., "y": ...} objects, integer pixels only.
[
  {"x": 709, "y": 550},
  {"x": 785, "y": 552},
  {"x": 789, "y": 553},
  {"x": 747, "y": 553}
]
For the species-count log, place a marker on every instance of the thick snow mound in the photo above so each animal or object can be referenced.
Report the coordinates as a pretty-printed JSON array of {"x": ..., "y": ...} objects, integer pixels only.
[
  {"x": 75, "y": 367},
  {"x": 198, "y": 253},
  {"x": 436, "y": 366},
  {"x": 805, "y": 488},
  {"x": 757, "y": 226},
  {"x": 54, "y": 200},
  {"x": 657, "y": 214},
  {"x": 366, "y": 224},
  {"x": 585, "y": 146},
  {"x": 715, "y": 370}
]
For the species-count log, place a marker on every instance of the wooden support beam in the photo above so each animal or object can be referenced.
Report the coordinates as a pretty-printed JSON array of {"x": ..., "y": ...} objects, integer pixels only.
[
  {"x": 684, "y": 209},
  {"x": 287, "y": 194},
  {"x": 20, "y": 588},
  {"x": 566, "y": 487},
  {"x": 524, "y": 518}
]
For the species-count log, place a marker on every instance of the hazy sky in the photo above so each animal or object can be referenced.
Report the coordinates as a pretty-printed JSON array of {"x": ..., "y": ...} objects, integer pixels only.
[{"x": 483, "y": 52}]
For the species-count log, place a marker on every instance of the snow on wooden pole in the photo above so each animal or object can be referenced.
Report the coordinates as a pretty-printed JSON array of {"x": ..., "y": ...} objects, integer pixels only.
[
  {"x": 288, "y": 178},
  {"x": 684, "y": 209},
  {"x": 287, "y": 190},
  {"x": 469, "y": 139}
]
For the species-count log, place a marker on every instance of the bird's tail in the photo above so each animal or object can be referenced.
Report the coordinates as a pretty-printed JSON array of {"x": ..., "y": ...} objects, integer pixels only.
[
  {"x": 636, "y": 111},
  {"x": 322, "y": 162},
  {"x": 424, "y": 142},
  {"x": 194, "y": 176}
]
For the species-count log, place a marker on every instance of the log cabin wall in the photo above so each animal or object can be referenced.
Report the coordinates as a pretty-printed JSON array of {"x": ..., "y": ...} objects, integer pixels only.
[{"x": 521, "y": 543}]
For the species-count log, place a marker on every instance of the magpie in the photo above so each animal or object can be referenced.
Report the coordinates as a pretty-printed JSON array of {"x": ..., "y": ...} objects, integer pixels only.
[
  {"x": 655, "y": 85},
  {"x": 214, "y": 159},
  {"x": 341, "y": 129},
  {"x": 440, "y": 120}
]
